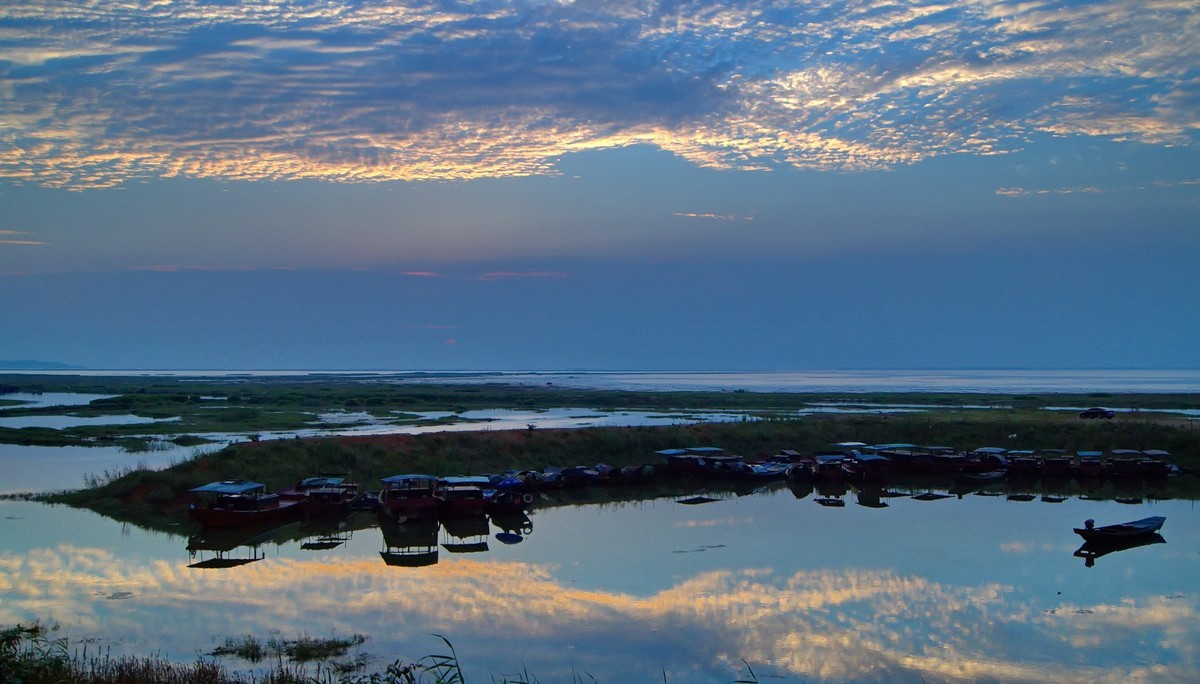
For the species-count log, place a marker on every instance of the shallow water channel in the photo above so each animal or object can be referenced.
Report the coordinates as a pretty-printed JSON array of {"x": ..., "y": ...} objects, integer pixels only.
[{"x": 949, "y": 589}]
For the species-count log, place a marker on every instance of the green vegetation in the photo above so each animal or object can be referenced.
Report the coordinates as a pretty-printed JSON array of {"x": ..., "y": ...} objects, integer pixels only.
[
  {"x": 32, "y": 654},
  {"x": 252, "y": 405},
  {"x": 157, "y": 498}
]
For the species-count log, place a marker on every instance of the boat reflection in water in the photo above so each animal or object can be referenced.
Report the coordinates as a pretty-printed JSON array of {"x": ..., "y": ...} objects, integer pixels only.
[
  {"x": 465, "y": 534},
  {"x": 514, "y": 527},
  {"x": 219, "y": 548},
  {"x": 411, "y": 544},
  {"x": 1091, "y": 550}
]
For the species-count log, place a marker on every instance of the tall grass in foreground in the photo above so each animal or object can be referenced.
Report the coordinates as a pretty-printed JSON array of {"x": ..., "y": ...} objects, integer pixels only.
[{"x": 33, "y": 654}]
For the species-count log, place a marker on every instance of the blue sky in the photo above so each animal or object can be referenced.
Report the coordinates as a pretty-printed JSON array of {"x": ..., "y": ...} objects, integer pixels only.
[{"x": 608, "y": 185}]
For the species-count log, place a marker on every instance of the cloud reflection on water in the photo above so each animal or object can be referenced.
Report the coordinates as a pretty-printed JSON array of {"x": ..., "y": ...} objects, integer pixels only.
[{"x": 836, "y": 625}]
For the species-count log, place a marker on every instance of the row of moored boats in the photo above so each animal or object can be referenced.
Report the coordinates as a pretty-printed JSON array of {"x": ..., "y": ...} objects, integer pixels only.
[{"x": 234, "y": 503}]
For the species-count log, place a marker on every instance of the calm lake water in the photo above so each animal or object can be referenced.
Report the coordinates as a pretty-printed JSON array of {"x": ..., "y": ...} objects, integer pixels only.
[
  {"x": 971, "y": 588},
  {"x": 1018, "y": 381}
]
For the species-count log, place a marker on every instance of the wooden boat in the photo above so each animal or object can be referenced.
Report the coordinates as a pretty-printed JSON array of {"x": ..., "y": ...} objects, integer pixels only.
[
  {"x": 1089, "y": 465},
  {"x": 504, "y": 501},
  {"x": 408, "y": 496},
  {"x": 325, "y": 495},
  {"x": 1124, "y": 531},
  {"x": 461, "y": 496},
  {"x": 972, "y": 477},
  {"x": 866, "y": 467},
  {"x": 1056, "y": 464},
  {"x": 236, "y": 503}
]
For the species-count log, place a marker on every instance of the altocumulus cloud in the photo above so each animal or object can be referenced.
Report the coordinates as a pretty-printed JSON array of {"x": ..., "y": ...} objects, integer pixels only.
[{"x": 97, "y": 92}]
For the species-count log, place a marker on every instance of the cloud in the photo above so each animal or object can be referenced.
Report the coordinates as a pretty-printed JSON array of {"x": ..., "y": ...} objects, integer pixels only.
[
  {"x": 843, "y": 625},
  {"x": 519, "y": 275},
  {"x": 180, "y": 268},
  {"x": 1095, "y": 190},
  {"x": 716, "y": 217},
  {"x": 93, "y": 94},
  {"x": 424, "y": 274},
  {"x": 7, "y": 238}
]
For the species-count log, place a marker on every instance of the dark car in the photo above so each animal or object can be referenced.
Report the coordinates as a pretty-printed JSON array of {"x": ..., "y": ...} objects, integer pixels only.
[{"x": 1097, "y": 412}]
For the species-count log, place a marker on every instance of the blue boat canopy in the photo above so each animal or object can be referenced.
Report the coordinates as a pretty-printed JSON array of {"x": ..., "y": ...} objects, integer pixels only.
[
  {"x": 314, "y": 482},
  {"x": 467, "y": 480},
  {"x": 231, "y": 487},
  {"x": 393, "y": 479}
]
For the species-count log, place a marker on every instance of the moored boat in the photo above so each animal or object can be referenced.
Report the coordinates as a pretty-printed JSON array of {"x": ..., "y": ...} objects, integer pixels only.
[
  {"x": 408, "y": 496},
  {"x": 866, "y": 467},
  {"x": 235, "y": 503},
  {"x": 323, "y": 495},
  {"x": 1130, "y": 530},
  {"x": 461, "y": 496}
]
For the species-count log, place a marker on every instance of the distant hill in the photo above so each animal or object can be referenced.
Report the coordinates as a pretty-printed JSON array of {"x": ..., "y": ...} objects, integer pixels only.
[{"x": 26, "y": 364}]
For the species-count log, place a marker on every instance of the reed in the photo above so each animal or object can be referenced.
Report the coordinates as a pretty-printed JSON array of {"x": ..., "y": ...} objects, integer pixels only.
[{"x": 34, "y": 654}]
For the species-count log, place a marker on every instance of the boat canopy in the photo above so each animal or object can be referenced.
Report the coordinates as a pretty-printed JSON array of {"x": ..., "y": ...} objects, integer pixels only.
[
  {"x": 850, "y": 445},
  {"x": 316, "y": 482},
  {"x": 1156, "y": 453},
  {"x": 671, "y": 452},
  {"x": 897, "y": 445},
  {"x": 231, "y": 487},
  {"x": 990, "y": 450},
  {"x": 1126, "y": 452},
  {"x": 467, "y": 480},
  {"x": 394, "y": 479},
  {"x": 1090, "y": 454},
  {"x": 709, "y": 451}
]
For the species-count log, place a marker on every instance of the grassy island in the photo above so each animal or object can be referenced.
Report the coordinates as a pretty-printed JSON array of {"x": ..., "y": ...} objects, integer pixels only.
[{"x": 251, "y": 405}]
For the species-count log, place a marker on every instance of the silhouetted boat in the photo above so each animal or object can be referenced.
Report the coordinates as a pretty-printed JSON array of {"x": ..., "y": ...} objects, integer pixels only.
[{"x": 1124, "y": 531}]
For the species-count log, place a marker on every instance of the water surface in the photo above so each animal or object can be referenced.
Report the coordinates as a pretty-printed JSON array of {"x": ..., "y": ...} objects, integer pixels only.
[{"x": 977, "y": 588}]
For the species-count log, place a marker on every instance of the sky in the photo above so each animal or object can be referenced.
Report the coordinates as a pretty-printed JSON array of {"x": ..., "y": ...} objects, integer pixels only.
[{"x": 609, "y": 185}]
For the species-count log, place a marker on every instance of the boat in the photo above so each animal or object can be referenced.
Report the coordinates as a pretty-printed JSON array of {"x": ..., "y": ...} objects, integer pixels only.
[
  {"x": 408, "y": 496},
  {"x": 1124, "y": 531},
  {"x": 972, "y": 477},
  {"x": 1089, "y": 465},
  {"x": 324, "y": 495},
  {"x": 866, "y": 467},
  {"x": 236, "y": 503},
  {"x": 1056, "y": 464},
  {"x": 462, "y": 496}
]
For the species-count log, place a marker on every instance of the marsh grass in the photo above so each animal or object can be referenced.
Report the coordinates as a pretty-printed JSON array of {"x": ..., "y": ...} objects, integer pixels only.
[
  {"x": 289, "y": 403},
  {"x": 301, "y": 650},
  {"x": 158, "y": 498},
  {"x": 35, "y": 654}
]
